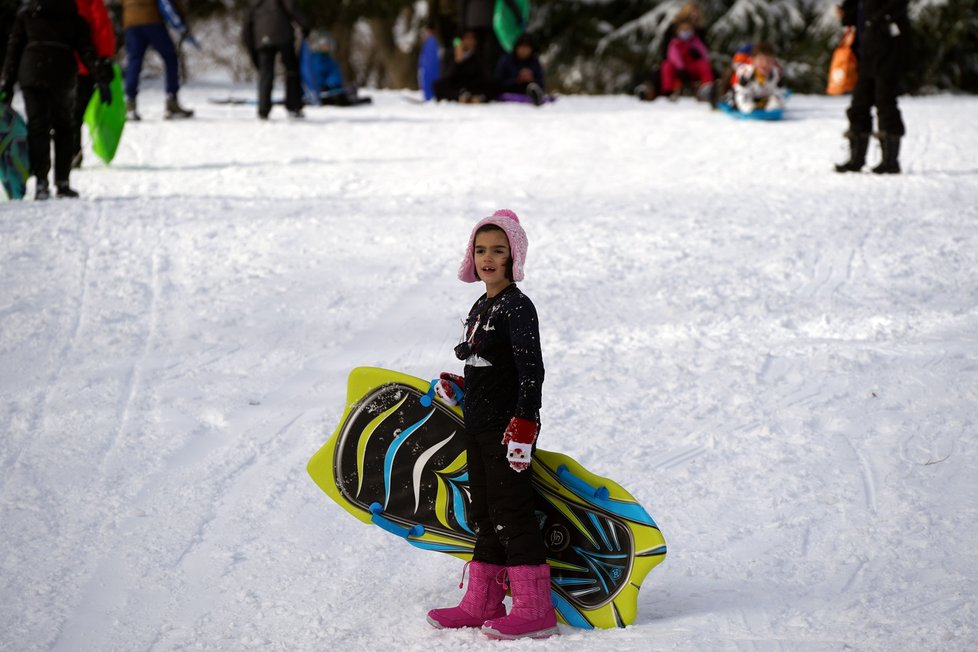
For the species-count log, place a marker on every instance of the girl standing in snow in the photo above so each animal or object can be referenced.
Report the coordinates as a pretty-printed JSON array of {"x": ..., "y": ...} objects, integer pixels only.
[{"x": 502, "y": 384}]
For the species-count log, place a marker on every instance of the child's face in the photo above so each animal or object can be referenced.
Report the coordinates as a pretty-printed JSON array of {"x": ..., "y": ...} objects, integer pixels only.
[
  {"x": 523, "y": 51},
  {"x": 764, "y": 64},
  {"x": 468, "y": 41},
  {"x": 491, "y": 256}
]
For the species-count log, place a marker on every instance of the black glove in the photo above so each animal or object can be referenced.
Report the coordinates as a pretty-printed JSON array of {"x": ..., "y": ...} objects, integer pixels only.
[
  {"x": 103, "y": 72},
  {"x": 104, "y": 92},
  {"x": 695, "y": 54}
]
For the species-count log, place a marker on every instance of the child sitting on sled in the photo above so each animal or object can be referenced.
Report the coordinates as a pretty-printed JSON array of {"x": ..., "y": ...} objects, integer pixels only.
[
  {"x": 758, "y": 81},
  {"x": 519, "y": 72},
  {"x": 466, "y": 81},
  {"x": 503, "y": 380},
  {"x": 687, "y": 65},
  {"x": 322, "y": 76}
]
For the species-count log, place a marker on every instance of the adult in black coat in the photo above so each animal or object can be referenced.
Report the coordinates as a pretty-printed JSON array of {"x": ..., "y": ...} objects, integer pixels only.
[
  {"x": 883, "y": 30},
  {"x": 269, "y": 31},
  {"x": 41, "y": 58},
  {"x": 467, "y": 81}
]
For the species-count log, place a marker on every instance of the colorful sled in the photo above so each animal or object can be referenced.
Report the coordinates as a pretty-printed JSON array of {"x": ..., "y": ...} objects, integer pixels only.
[
  {"x": 106, "y": 121},
  {"x": 769, "y": 115},
  {"x": 397, "y": 460},
  {"x": 509, "y": 20},
  {"x": 523, "y": 98},
  {"x": 14, "y": 163},
  {"x": 176, "y": 22}
]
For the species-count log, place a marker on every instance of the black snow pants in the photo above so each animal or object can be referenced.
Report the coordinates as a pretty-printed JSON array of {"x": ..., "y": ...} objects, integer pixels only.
[
  {"x": 503, "y": 516},
  {"x": 880, "y": 91},
  {"x": 266, "y": 79},
  {"x": 50, "y": 109}
]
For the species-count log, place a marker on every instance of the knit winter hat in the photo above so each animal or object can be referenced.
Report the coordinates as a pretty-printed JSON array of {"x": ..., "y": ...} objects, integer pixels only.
[{"x": 510, "y": 224}]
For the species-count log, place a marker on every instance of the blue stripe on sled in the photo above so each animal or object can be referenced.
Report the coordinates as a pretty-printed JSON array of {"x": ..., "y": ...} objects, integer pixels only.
[
  {"x": 392, "y": 452},
  {"x": 569, "y": 612}
]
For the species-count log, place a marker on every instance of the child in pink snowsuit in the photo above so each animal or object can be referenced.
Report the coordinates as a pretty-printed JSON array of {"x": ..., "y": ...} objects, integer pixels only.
[{"x": 687, "y": 61}]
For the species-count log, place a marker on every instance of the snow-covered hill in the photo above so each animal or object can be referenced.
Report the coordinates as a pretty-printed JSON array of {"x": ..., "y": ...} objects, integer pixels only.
[{"x": 781, "y": 362}]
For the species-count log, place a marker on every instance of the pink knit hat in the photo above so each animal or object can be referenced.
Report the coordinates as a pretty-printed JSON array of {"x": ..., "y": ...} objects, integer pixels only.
[{"x": 510, "y": 224}]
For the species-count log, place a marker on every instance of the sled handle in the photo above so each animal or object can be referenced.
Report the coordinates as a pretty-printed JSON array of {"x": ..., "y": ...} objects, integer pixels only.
[
  {"x": 376, "y": 509},
  {"x": 579, "y": 485},
  {"x": 429, "y": 397}
]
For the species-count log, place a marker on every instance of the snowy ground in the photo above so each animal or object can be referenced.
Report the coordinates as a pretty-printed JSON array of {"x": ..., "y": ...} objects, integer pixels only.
[{"x": 779, "y": 361}]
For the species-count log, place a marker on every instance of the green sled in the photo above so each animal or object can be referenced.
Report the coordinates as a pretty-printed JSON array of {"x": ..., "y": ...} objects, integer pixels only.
[
  {"x": 509, "y": 20},
  {"x": 106, "y": 121}
]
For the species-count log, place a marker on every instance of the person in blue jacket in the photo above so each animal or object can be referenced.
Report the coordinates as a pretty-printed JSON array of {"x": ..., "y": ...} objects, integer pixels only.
[
  {"x": 520, "y": 71},
  {"x": 322, "y": 75}
]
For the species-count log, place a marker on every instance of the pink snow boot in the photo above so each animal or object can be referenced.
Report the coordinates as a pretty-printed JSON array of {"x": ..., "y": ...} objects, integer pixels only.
[
  {"x": 532, "y": 615},
  {"x": 483, "y": 599}
]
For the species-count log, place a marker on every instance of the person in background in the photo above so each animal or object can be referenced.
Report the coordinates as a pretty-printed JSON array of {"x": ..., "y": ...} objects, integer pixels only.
[
  {"x": 103, "y": 38},
  {"x": 144, "y": 28},
  {"x": 651, "y": 87},
  {"x": 687, "y": 64},
  {"x": 520, "y": 71},
  {"x": 476, "y": 16},
  {"x": 883, "y": 37},
  {"x": 758, "y": 83},
  {"x": 322, "y": 71},
  {"x": 41, "y": 58},
  {"x": 269, "y": 32},
  {"x": 467, "y": 81}
]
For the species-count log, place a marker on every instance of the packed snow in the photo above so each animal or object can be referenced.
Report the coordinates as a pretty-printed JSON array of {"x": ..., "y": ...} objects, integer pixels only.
[{"x": 778, "y": 361}]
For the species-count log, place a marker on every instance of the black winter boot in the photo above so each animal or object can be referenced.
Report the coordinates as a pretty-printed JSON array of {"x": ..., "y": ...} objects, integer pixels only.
[
  {"x": 43, "y": 191},
  {"x": 65, "y": 191},
  {"x": 890, "y": 144},
  {"x": 174, "y": 110},
  {"x": 858, "y": 144}
]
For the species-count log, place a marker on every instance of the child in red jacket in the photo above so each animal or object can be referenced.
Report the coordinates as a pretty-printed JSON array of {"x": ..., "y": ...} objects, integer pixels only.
[{"x": 103, "y": 38}]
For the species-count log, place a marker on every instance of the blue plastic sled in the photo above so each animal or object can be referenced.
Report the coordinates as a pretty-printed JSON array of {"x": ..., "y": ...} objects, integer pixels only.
[{"x": 757, "y": 114}]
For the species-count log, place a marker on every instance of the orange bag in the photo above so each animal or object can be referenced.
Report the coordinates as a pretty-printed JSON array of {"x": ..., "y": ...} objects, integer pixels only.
[{"x": 844, "y": 67}]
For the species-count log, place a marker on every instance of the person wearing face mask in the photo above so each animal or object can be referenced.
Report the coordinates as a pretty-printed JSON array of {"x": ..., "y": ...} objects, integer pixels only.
[
  {"x": 687, "y": 65},
  {"x": 689, "y": 20}
]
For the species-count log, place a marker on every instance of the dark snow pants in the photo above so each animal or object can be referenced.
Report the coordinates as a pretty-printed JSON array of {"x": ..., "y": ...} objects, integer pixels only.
[
  {"x": 50, "y": 109},
  {"x": 266, "y": 78},
  {"x": 503, "y": 516},
  {"x": 138, "y": 39},
  {"x": 880, "y": 91}
]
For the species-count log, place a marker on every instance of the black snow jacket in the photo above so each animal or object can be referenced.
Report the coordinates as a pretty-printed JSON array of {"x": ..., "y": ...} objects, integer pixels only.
[
  {"x": 42, "y": 46},
  {"x": 504, "y": 365},
  {"x": 272, "y": 23},
  {"x": 884, "y": 42}
]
